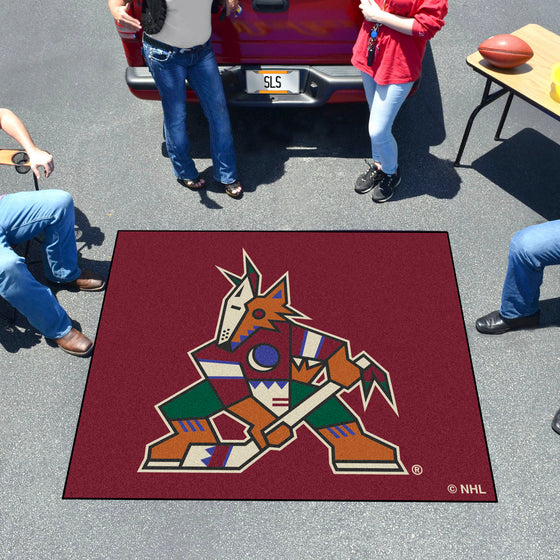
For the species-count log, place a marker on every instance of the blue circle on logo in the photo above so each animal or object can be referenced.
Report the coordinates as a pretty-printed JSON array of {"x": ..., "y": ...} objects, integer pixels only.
[{"x": 266, "y": 355}]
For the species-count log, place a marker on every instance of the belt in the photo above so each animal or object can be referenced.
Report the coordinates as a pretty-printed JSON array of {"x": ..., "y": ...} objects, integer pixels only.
[{"x": 164, "y": 46}]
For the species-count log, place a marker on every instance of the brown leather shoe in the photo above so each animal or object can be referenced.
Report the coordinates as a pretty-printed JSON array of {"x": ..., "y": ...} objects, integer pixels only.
[
  {"x": 75, "y": 343},
  {"x": 88, "y": 281}
]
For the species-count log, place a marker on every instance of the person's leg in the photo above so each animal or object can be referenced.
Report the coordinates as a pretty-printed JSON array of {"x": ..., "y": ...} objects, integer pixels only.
[
  {"x": 33, "y": 300},
  {"x": 169, "y": 73},
  {"x": 366, "y": 181},
  {"x": 369, "y": 90},
  {"x": 205, "y": 80},
  {"x": 25, "y": 215},
  {"x": 22, "y": 217},
  {"x": 384, "y": 107},
  {"x": 384, "y": 103},
  {"x": 531, "y": 250}
]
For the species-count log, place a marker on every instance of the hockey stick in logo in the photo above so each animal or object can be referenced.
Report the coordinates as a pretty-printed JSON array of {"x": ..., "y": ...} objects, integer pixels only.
[{"x": 238, "y": 456}]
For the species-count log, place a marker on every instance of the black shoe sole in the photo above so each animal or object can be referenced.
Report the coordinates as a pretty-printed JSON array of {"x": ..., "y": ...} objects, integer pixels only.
[{"x": 364, "y": 191}]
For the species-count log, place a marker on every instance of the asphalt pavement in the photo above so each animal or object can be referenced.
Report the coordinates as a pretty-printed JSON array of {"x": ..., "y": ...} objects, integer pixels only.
[{"x": 62, "y": 70}]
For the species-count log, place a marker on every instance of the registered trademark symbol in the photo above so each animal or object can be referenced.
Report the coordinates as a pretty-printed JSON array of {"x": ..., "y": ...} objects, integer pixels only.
[
  {"x": 417, "y": 469},
  {"x": 452, "y": 489}
]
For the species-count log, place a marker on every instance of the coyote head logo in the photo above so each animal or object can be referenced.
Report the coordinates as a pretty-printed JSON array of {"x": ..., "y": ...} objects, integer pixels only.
[{"x": 245, "y": 309}]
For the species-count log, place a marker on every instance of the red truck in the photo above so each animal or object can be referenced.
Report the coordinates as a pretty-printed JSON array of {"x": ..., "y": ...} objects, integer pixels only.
[{"x": 277, "y": 52}]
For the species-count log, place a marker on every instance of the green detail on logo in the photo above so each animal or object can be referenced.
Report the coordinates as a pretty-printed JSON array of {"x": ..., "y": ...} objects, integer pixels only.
[{"x": 200, "y": 401}]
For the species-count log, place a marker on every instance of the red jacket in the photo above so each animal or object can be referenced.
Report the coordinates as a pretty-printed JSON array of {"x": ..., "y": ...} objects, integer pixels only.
[{"x": 398, "y": 57}]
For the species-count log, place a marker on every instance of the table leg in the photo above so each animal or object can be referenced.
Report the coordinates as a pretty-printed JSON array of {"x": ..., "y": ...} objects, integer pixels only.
[
  {"x": 487, "y": 98},
  {"x": 504, "y": 116}
]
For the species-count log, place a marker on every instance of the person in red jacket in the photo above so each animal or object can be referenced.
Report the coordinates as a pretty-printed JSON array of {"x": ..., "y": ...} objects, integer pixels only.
[{"x": 389, "y": 51}]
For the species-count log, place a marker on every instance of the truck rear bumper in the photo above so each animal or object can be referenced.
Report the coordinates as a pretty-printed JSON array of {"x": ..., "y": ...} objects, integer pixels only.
[{"x": 318, "y": 85}]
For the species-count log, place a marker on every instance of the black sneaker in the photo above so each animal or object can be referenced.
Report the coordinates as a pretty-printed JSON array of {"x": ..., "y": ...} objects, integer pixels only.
[
  {"x": 366, "y": 181},
  {"x": 386, "y": 187}
]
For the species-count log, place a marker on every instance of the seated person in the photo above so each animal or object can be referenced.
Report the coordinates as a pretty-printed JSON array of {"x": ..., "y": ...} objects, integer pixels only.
[
  {"x": 25, "y": 215},
  {"x": 530, "y": 251}
]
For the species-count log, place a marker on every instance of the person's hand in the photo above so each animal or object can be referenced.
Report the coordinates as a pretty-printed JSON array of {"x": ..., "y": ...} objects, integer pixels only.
[
  {"x": 371, "y": 11},
  {"x": 231, "y": 6},
  {"x": 125, "y": 20},
  {"x": 39, "y": 158}
]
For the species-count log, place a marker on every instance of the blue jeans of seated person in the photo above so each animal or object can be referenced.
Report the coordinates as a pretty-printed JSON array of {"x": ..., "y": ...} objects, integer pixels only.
[
  {"x": 25, "y": 215},
  {"x": 384, "y": 103},
  {"x": 169, "y": 69},
  {"x": 530, "y": 251}
]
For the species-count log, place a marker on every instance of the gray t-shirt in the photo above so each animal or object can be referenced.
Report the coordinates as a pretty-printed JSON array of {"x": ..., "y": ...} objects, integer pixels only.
[{"x": 187, "y": 23}]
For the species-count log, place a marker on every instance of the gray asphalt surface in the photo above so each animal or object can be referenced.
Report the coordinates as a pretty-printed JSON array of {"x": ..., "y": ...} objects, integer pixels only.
[{"x": 62, "y": 69}]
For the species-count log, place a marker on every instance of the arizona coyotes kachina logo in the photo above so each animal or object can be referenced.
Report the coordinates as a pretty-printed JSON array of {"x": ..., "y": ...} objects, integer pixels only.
[{"x": 273, "y": 375}]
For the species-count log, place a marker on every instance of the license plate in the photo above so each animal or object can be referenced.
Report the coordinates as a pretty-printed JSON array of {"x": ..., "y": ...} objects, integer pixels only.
[{"x": 272, "y": 81}]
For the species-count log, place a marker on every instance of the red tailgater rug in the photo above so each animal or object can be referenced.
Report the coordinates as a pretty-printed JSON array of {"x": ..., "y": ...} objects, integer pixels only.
[{"x": 281, "y": 366}]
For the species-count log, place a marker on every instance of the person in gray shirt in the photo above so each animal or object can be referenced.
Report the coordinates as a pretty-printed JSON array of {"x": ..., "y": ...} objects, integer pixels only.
[{"x": 177, "y": 47}]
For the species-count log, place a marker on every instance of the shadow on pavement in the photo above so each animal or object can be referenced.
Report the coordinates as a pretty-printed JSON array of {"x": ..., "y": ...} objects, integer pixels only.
[
  {"x": 16, "y": 336},
  {"x": 527, "y": 166},
  {"x": 420, "y": 125},
  {"x": 87, "y": 234},
  {"x": 550, "y": 312}
]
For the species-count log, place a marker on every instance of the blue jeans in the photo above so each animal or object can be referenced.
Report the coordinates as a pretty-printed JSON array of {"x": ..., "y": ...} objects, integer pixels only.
[
  {"x": 384, "y": 104},
  {"x": 170, "y": 68},
  {"x": 530, "y": 250},
  {"x": 23, "y": 216}
]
